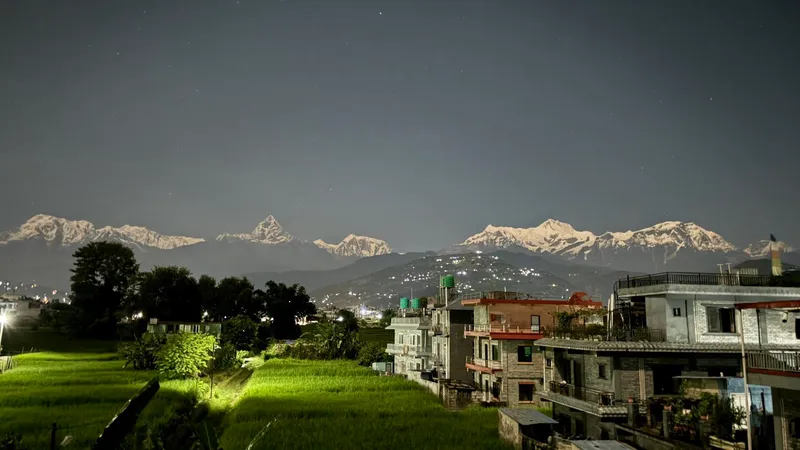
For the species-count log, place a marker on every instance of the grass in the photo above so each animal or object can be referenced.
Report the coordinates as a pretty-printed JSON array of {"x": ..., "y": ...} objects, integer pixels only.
[
  {"x": 381, "y": 335},
  {"x": 19, "y": 340},
  {"x": 337, "y": 404},
  {"x": 79, "y": 392}
]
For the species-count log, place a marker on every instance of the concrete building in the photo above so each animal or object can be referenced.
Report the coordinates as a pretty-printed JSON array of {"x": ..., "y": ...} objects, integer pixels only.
[
  {"x": 505, "y": 363},
  {"x": 412, "y": 344},
  {"x": 449, "y": 347},
  {"x": 780, "y": 370},
  {"x": 663, "y": 328},
  {"x": 21, "y": 310},
  {"x": 156, "y": 326}
]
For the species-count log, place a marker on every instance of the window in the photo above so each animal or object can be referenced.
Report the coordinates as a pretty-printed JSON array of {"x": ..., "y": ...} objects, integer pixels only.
[
  {"x": 548, "y": 362},
  {"x": 797, "y": 328},
  {"x": 721, "y": 320},
  {"x": 535, "y": 323},
  {"x": 676, "y": 312},
  {"x": 525, "y": 354},
  {"x": 601, "y": 371},
  {"x": 495, "y": 353},
  {"x": 526, "y": 392}
]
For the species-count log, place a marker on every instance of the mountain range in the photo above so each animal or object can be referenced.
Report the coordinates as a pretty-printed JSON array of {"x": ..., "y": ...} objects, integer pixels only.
[{"x": 41, "y": 249}]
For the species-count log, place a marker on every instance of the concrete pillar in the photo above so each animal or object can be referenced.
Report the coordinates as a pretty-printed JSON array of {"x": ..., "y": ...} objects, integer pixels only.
[
  {"x": 666, "y": 417},
  {"x": 631, "y": 415}
]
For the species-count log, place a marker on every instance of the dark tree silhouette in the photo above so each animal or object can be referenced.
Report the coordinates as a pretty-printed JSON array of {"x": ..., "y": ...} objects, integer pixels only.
[
  {"x": 284, "y": 306},
  {"x": 102, "y": 278},
  {"x": 170, "y": 293},
  {"x": 234, "y": 296}
]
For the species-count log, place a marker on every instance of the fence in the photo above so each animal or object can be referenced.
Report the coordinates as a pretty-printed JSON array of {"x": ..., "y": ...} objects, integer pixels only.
[
  {"x": 707, "y": 279},
  {"x": 783, "y": 361},
  {"x": 603, "y": 334},
  {"x": 580, "y": 393}
]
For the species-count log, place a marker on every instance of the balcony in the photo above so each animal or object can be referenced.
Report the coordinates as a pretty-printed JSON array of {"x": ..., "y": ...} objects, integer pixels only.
[
  {"x": 704, "y": 279},
  {"x": 591, "y": 401},
  {"x": 777, "y": 362},
  {"x": 483, "y": 365},
  {"x": 438, "y": 329},
  {"x": 503, "y": 331},
  {"x": 409, "y": 350},
  {"x": 603, "y": 334}
]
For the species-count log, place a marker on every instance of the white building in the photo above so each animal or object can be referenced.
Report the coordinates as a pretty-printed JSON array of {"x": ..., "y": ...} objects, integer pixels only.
[{"x": 412, "y": 345}]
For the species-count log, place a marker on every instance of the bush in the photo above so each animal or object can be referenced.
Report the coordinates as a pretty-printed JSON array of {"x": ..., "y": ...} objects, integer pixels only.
[
  {"x": 227, "y": 357},
  {"x": 371, "y": 352},
  {"x": 240, "y": 331},
  {"x": 595, "y": 329},
  {"x": 185, "y": 355},
  {"x": 141, "y": 354}
]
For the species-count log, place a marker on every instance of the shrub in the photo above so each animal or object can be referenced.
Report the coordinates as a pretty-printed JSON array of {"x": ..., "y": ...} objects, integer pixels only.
[
  {"x": 141, "y": 353},
  {"x": 227, "y": 357},
  {"x": 239, "y": 331},
  {"x": 595, "y": 329},
  {"x": 185, "y": 355},
  {"x": 371, "y": 352}
]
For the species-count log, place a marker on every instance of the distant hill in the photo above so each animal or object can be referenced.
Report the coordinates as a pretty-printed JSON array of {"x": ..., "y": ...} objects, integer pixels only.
[{"x": 313, "y": 279}]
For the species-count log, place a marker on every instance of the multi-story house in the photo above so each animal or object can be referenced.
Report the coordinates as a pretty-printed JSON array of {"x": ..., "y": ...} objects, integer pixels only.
[
  {"x": 412, "y": 344},
  {"x": 663, "y": 328},
  {"x": 449, "y": 346},
  {"x": 505, "y": 363},
  {"x": 778, "y": 369}
]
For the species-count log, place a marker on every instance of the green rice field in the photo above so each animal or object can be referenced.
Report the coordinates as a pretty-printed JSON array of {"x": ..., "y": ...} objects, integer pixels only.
[
  {"x": 339, "y": 405},
  {"x": 79, "y": 392}
]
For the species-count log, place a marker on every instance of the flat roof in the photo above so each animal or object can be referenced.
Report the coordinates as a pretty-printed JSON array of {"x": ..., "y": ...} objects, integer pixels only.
[{"x": 526, "y": 416}]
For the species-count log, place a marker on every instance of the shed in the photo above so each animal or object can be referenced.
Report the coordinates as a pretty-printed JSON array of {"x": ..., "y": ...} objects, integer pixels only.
[
  {"x": 522, "y": 424},
  {"x": 599, "y": 445}
]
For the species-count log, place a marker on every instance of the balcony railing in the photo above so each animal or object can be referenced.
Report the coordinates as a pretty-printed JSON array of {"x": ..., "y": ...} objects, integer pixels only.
[
  {"x": 781, "y": 361},
  {"x": 581, "y": 393},
  {"x": 438, "y": 329},
  {"x": 410, "y": 320},
  {"x": 405, "y": 349},
  {"x": 503, "y": 328},
  {"x": 707, "y": 279},
  {"x": 484, "y": 362},
  {"x": 614, "y": 334}
]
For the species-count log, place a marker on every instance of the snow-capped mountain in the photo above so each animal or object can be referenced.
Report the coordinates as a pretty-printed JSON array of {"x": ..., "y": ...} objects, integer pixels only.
[
  {"x": 760, "y": 249},
  {"x": 359, "y": 246},
  {"x": 268, "y": 231},
  {"x": 654, "y": 246},
  {"x": 65, "y": 232}
]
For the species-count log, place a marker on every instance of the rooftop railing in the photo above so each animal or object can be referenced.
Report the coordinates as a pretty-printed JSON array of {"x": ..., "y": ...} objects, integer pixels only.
[
  {"x": 504, "y": 328},
  {"x": 706, "y": 279},
  {"x": 492, "y": 364},
  {"x": 603, "y": 334},
  {"x": 780, "y": 361},
  {"x": 497, "y": 295}
]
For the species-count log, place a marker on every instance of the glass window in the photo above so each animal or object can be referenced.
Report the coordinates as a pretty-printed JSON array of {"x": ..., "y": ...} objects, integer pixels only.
[
  {"x": 721, "y": 320},
  {"x": 535, "y": 323},
  {"x": 525, "y": 354},
  {"x": 601, "y": 371},
  {"x": 526, "y": 392}
]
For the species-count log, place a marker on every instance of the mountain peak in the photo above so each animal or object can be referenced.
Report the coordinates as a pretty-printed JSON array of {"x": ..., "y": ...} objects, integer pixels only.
[
  {"x": 268, "y": 231},
  {"x": 354, "y": 245},
  {"x": 66, "y": 232}
]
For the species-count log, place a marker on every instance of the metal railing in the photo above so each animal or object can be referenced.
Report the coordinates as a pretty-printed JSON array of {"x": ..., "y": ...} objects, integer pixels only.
[
  {"x": 407, "y": 349},
  {"x": 497, "y": 295},
  {"x": 782, "y": 361},
  {"x": 599, "y": 398},
  {"x": 438, "y": 329},
  {"x": 614, "y": 334},
  {"x": 503, "y": 328},
  {"x": 707, "y": 279},
  {"x": 492, "y": 364},
  {"x": 410, "y": 320}
]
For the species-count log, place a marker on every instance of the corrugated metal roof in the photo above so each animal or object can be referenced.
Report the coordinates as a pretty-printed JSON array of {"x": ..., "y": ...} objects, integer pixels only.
[
  {"x": 525, "y": 416},
  {"x": 665, "y": 347}
]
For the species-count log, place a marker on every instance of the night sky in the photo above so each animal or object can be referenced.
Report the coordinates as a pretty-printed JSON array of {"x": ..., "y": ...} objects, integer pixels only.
[{"x": 418, "y": 122}]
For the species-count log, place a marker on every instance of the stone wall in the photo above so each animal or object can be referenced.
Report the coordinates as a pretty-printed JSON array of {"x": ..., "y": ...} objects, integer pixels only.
[{"x": 509, "y": 430}]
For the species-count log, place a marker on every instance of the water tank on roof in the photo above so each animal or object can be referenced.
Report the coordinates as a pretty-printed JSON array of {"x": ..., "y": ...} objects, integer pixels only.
[
  {"x": 403, "y": 302},
  {"x": 449, "y": 281},
  {"x": 415, "y": 303}
]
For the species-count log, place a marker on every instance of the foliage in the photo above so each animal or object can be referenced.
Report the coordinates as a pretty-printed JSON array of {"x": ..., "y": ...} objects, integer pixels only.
[
  {"x": 185, "y": 355},
  {"x": 141, "y": 353},
  {"x": 240, "y": 332},
  {"x": 233, "y": 296},
  {"x": 59, "y": 317},
  {"x": 102, "y": 278},
  {"x": 705, "y": 407},
  {"x": 207, "y": 289},
  {"x": 348, "y": 319},
  {"x": 564, "y": 319},
  {"x": 284, "y": 306},
  {"x": 336, "y": 340},
  {"x": 726, "y": 415},
  {"x": 227, "y": 357},
  {"x": 595, "y": 329},
  {"x": 371, "y": 352},
  {"x": 338, "y": 404},
  {"x": 386, "y": 317},
  {"x": 169, "y": 294}
]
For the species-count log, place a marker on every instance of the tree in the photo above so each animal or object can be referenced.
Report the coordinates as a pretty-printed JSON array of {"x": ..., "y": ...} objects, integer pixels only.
[
  {"x": 169, "y": 293},
  {"x": 284, "y": 306},
  {"x": 207, "y": 287},
  {"x": 234, "y": 296},
  {"x": 240, "y": 332},
  {"x": 102, "y": 278},
  {"x": 386, "y": 317},
  {"x": 348, "y": 319},
  {"x": 334, "y": 340}
]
